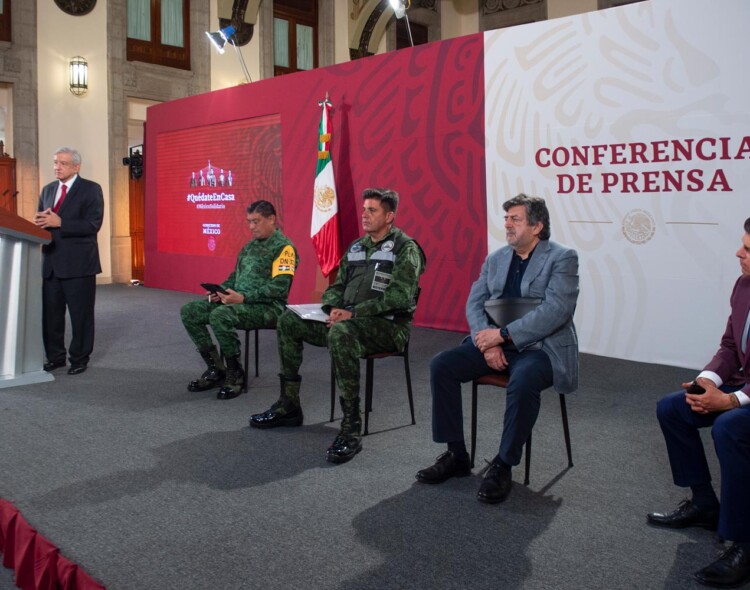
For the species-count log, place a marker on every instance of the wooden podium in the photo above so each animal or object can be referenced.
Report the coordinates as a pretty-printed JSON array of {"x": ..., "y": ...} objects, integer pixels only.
[{"x": 21, "y": 346}]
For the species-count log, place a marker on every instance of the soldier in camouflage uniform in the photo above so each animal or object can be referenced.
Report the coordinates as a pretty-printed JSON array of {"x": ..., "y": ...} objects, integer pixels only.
[
  {"x": 370, "y": 306},
  {"x": 257, "y": 293}
]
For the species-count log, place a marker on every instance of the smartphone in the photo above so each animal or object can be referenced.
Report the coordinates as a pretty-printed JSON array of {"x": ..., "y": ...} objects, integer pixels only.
[
  {"x": 695, "y": 388},
  {"x": 214, "y": 288}
]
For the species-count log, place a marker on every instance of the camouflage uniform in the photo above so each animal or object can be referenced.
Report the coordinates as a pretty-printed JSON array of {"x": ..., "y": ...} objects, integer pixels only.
[
  {"x": 378, "y": 283},
  {"x": 263, "y": 275}
]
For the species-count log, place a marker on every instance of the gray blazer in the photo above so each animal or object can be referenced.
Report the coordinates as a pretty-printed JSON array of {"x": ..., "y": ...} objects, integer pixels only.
[{"x": 552, "y": 275}]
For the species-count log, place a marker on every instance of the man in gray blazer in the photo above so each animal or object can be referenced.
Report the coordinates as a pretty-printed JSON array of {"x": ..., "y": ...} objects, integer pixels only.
[
  {"x": 538, "y": 350},
  {"x": 71, "y": 208}
]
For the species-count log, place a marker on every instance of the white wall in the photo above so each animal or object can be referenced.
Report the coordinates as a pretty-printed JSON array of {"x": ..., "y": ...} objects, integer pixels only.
[
  {"x": 136, "y": 118},
  {"x": 458, "y": 18},
  {"x": 558, "y": 8},
  {"x": 341, "y": 32},
  {"x": 77, "y": 121},
  {"x": 6, "y": 118}
]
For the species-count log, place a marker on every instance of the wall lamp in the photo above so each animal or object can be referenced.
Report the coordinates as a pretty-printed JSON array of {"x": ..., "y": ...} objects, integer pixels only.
[
  {"x": 78, "y": 80},
  {"x": 399, "y": 9}
]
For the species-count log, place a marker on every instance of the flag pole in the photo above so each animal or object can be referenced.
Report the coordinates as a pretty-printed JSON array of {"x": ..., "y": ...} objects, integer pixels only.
[{"x": 324, "y": 225}]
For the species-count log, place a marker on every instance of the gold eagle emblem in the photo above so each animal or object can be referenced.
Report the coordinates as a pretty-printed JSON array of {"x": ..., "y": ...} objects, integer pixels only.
[{"x": 324, "y": 198}]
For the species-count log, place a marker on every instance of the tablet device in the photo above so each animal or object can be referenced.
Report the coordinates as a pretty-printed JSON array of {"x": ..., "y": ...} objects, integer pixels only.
[
  {"x": 214, "y": 288},
  {"x": 502, "y": 312}
]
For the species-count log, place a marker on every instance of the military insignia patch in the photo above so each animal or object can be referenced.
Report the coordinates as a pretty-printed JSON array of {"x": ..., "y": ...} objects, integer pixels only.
[
  {"x": 388, "y": 246},
  {"x": 380, "y": 281},
  {"x": 284, "y": 263}
]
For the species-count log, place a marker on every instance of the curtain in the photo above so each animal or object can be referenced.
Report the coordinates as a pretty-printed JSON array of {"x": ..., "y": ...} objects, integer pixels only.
[
  {"x": 304, "y": 47},
  {"x": 139, "y": 20},
  {"x": 281, "y": 42},
  {"x": 171, "y": 23}
]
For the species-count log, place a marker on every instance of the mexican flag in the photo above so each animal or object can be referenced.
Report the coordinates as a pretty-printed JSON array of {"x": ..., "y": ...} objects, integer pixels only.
[{"x": 324, "y": 227}]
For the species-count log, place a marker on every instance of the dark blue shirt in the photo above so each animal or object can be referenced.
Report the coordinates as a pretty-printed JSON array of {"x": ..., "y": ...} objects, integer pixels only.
[{"x": 515, "y": 275}]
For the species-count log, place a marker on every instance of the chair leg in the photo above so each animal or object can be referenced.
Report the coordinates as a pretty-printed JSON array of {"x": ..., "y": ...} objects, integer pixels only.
[
  {"x": 474, "y": 386},
  {"x": 527, "y": 453},
  {"x": 408, "y": 383},
  {"x": 566, "y": 429},
  {"x": 333, "y": 392},
  {"x": 528, "y": 461},
  {"x": 256, "y": 353},
  {"x": 247, "y": 357},
  {"x": 368, "y": 392}
]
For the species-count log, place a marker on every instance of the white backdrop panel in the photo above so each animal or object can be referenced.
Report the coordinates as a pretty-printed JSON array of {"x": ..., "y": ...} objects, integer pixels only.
[{"x": 656, "y": 228}]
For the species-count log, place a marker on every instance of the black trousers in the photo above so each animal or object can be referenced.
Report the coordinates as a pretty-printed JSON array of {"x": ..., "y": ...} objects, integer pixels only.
[
  {"x": 530, "y": 372},
  {"x": 78, "y": 295}
]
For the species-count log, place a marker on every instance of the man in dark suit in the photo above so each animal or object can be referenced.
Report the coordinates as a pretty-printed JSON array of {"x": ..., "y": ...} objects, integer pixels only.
[
  {"x": 724, "y": 405},
  {"x": 538, "y": 350},
  {"x": 71, "y": 208}
]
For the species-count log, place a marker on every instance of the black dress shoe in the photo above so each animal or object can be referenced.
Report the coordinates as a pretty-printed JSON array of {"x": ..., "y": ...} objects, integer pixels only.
[
  {"x": 495, "y": 485},
  {"x": 278, "y": 415},
  {"x": 76, "y": 369},
  {"x": 228, "y": 392},
  {"x": 52, "y": 365},
  {"x": 731, "y": 570},
  {"x": 686, "y": 515},
  {"x": 447, "y": 465},
  {"x": 343, "y": 448}
]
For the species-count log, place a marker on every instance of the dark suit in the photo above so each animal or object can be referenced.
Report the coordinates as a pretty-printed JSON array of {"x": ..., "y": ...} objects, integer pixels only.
[
  {"x": 730, "y": 429},
  {"x": 69, "y": 268},
  {"x": 552, "y": 274}
]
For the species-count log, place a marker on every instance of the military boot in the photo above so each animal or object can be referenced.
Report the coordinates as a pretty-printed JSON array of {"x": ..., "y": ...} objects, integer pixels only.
[
  {"x": 213, "y": 376},
  {"x": 234, "y": 381},
  {"x": 287, "y": 411},
  {"x": 348, "y": 442}
]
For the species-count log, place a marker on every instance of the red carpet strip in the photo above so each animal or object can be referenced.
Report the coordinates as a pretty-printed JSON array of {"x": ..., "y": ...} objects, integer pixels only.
[{"x": 37, "y": 563}]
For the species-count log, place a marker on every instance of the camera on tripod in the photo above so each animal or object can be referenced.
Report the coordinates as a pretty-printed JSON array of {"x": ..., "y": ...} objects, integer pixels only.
[{"x": 135, "y": 161}]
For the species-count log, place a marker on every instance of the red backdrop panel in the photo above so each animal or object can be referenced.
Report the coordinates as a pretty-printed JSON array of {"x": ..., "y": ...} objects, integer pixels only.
[
  {"x": 207, "y": 176},
  {"x": 411, "y": 120}
]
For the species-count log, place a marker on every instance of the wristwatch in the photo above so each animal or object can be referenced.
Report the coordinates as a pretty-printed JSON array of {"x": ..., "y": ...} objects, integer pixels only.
[{"x": 504, "y": 334}]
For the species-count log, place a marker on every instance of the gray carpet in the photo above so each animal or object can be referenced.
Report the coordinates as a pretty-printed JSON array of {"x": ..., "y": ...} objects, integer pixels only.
[{"x": 148, "y": 486}]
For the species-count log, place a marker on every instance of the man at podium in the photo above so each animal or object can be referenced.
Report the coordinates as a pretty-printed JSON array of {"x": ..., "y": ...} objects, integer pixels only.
[{"x": 71, "y": 208}]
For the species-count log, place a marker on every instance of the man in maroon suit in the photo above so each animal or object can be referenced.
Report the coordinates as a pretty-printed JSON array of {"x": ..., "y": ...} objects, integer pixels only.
[{"x": 720, "y": 400}]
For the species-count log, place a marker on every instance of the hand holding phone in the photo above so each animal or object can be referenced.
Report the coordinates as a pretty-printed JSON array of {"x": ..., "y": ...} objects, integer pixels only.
[
  {"x": 695, "y": 389},
  {"x": 214, "y": 288}
]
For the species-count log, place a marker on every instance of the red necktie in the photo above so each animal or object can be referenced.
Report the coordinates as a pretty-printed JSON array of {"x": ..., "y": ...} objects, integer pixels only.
[{"x": 63, "y": 192}]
